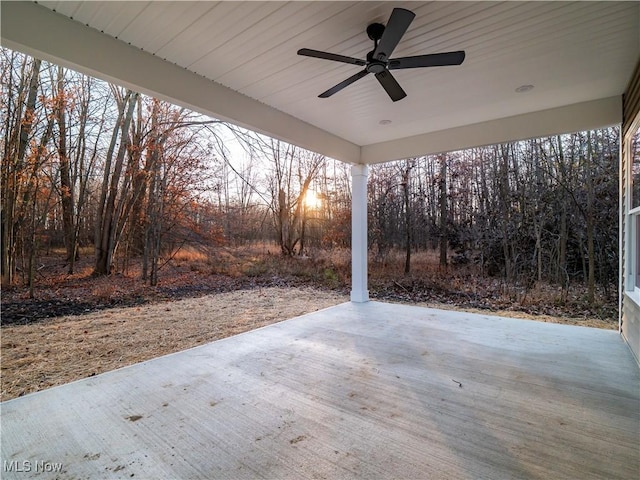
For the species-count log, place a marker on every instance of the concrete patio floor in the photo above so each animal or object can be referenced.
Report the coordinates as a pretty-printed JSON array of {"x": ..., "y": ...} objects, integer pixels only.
[{"x": 354, "y": 391}]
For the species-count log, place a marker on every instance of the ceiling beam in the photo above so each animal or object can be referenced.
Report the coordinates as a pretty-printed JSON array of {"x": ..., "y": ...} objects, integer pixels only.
[
  {"x": 571, "y": 118},
  {"x": 39, "y": 32}
]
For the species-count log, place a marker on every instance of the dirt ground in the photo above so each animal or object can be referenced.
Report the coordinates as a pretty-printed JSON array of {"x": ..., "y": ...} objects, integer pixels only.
[
  {"x": 79, "y": 325},
  {"x": 59, "y": 350}
]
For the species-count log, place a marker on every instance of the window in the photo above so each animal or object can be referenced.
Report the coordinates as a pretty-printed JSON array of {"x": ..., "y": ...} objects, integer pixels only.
[{"x": 632, "y": 154}]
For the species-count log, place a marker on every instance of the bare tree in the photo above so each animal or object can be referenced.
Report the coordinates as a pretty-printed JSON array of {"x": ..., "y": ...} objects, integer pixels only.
[
  {"x": 407, "y": 167},
  {"x": 291, "y": 172},
  {"x": 66, "y": 190},
  {"x": 21, "y": 78},
  {"x": 111, "y": 195},
  {"x": 444, "y": 211}
]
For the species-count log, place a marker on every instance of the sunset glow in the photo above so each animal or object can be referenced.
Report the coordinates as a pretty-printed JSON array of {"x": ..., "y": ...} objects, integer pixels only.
[{"x": 312, "y": 200}]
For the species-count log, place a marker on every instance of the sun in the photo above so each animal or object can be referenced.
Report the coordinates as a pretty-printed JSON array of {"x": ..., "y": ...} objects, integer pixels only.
[{"x": 312, "y": 200}]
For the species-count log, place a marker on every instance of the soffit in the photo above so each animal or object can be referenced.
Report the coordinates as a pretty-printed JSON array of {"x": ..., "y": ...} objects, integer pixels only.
[{"x": 572, "y": 52}]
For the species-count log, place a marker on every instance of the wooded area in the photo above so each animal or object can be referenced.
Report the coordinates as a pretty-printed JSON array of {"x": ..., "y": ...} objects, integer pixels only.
[{"x": 89, "y": 164}]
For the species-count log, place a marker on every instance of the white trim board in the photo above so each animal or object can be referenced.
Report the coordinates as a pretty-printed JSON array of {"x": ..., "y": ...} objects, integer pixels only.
[{"x": 571, "y": 118}]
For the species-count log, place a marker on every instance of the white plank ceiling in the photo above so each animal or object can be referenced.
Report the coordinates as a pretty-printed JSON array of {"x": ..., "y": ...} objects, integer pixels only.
[{"x": 571, "y": 52}]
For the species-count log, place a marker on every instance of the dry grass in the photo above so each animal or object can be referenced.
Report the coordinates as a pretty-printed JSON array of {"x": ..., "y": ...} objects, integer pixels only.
[
  {"x": 189, "y": 254},
  {"x": 592, "y": 322},
  {"x": 45, "y": 353},
  {"x": 64, "y": 349}
]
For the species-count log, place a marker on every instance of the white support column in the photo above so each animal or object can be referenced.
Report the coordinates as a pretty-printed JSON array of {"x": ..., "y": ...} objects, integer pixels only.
[{"x": 359, "y": 269}]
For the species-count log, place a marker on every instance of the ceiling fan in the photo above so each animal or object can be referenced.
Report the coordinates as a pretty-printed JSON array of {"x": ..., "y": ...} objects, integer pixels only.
[{"x": 378, "y": 62}]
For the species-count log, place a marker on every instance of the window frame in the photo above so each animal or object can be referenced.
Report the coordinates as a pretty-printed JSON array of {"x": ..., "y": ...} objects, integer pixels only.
[
  {"x": 631, "y": 284},
  {"x": 636, "y": 217}
]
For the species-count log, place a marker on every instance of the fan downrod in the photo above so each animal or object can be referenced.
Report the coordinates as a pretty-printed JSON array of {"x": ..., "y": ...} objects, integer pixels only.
[{"x": 375, "y": 31}]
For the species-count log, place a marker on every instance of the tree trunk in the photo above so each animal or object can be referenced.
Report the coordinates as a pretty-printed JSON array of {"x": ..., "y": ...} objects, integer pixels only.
[
  {"x": 590, "y": 221},
  {"x": 106, "y": 240},
  {"x": 506, "y": 211},
  {"x": 407, "y": 210},
  {"x": 66, "y": 186},
  {"x": 156, "y": 205},
  {"x": 564, "y": 232},
  {"x": 283, "y": 223},
  {"x": 538, "y": 233},
  {"x": 11, "y": 181},
  {"x": 443, "y": 211}
]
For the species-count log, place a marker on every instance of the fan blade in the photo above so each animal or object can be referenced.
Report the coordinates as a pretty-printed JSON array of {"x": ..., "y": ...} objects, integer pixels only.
[
  {"x": 392, "y": 87},
  {"x": 307, "y": 52},
  {"x": 343, "y": 84},
  {"x": 397, "y": 25},
  {"x": 432, "y": 60}
]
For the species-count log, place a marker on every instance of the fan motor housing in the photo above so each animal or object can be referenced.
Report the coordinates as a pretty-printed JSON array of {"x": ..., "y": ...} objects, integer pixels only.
[{"x": 376, "y": 66}]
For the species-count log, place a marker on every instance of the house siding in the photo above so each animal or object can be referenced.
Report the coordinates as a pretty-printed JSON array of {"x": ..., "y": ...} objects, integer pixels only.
[
  {"x": 631, "y": 325},
  {"x": 630, "y": 310}
]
